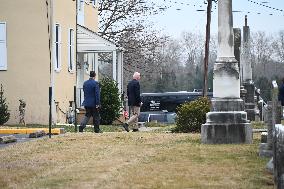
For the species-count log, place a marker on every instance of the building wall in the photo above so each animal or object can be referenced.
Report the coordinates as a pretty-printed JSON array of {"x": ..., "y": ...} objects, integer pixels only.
[
  {"x": 27, "y": 76},
  {"x": 65, "y": 15},
  {"x": 91, "y": 16}
]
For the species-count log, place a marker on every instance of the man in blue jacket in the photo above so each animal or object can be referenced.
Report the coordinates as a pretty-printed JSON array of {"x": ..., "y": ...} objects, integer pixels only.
[
  {"x": 91, "y": 103},
  {"x": 134, "y": 102}
]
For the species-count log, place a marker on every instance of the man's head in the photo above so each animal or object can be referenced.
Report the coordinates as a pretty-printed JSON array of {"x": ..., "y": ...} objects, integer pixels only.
[
  {"x": 92, "y": 74},
  {"x": 136, "y": 75}
]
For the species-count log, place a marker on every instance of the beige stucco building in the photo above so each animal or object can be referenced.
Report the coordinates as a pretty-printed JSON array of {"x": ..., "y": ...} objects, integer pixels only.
[{"x": 50, "y": 43}]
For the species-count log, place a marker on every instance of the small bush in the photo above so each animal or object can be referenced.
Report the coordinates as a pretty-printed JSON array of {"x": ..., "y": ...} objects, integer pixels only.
[
  {"x": 191, "y": 115},
  {"x": 4, "y": 112},
  {"x": 110, "y": 101}
]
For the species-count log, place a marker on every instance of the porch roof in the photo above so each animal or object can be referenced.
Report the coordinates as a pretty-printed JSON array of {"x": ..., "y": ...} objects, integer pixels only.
[{"x": 89, "y": 41}]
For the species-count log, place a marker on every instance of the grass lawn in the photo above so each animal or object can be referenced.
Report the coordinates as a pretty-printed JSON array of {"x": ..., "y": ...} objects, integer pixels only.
[{"x": 131, "y": 160}]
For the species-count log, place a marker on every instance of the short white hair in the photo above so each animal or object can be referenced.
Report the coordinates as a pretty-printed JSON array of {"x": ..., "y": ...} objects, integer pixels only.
[{"x": 136, "y": 75}]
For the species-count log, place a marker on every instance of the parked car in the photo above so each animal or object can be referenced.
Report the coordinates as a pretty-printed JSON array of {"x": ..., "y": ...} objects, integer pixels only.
[{"x": 162, "y": 106}]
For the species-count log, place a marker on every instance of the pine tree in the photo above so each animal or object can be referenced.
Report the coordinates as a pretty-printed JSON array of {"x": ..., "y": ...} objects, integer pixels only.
[{"x": 4, "y": 112}]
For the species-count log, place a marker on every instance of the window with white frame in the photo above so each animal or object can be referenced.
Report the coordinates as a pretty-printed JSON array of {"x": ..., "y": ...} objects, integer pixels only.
[
  {"x": 57, "y": 49},
  {"x": 71, "y": 51},
  {"x": 3, "y": 46}
]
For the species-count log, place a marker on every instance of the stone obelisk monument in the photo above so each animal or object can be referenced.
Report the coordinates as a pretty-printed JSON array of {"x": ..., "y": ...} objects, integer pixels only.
[
  {"x": 247, "y": 74},
  {"x": 227, "y": 122}
]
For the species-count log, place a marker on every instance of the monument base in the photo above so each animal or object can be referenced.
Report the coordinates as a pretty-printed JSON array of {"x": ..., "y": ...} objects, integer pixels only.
[
  {"x": 249, "y": 99},
  {"x": 250, "y": 114},
  {"x": 265, "y": 150},
  {"x": 226, "y": 133},
  {"x": 227, "y": 123}
]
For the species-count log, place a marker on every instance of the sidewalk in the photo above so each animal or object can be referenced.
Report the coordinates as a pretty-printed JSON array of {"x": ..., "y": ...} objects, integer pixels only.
[
  {"x": 146, "y": 129},
  {"x": 54, "y": 131}
]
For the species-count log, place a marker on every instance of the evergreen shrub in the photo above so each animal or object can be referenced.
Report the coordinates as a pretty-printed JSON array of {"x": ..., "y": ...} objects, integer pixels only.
[
  {"x": 110, "y": 101},
  {"x": 191, "y": 115},
  {"x": 4, "y": 112}
]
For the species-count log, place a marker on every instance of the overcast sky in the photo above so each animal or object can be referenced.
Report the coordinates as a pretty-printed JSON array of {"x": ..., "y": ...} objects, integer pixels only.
[{"x": 183, "y": 16}]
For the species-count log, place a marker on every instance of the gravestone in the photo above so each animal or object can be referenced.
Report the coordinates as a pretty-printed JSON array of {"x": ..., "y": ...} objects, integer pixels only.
[
  {"x": 265, "y": 149},
  {"x": 278, "y": 156},
  {"x": 246, "y": 70},
  {"x": 271, "y": 117}
]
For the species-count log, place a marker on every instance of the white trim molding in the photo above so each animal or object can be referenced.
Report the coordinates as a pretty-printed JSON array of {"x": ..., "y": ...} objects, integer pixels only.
[
  {"x": 3, "y": 46},
  {"x": 71, "y": 50},
  {"x": 57, "y": 47}
]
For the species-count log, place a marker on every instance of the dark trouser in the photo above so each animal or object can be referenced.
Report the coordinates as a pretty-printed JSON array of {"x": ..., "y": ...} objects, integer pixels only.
[{"x": 94, "y": 112}]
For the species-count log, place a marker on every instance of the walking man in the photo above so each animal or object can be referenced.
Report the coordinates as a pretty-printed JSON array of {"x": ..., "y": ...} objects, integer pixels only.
[
  {"x": 134, "y": 102},
  {"x": 91, "y": 103}
]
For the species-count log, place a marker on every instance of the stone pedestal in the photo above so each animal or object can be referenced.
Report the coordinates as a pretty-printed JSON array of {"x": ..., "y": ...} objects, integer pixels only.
[
  {"x": 249, "y": 100},
  {"x": 226, "y": 123}
]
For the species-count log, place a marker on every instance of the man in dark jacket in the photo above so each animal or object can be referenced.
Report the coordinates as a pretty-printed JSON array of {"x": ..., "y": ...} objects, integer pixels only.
[
  {"x": 91, "y": 103},
  {"x": 134, "y": 102},
  {"x": 281, "y": 93}
]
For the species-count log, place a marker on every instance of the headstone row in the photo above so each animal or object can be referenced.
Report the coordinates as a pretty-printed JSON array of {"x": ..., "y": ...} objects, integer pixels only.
[{"x": 274, "y": 146}]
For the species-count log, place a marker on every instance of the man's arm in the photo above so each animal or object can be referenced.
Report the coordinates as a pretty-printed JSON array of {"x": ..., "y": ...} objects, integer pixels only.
[
  {"x": 127, "y": 91},
  {"x": 97, "y": 94},
  {"x": 137, "y": 93}
]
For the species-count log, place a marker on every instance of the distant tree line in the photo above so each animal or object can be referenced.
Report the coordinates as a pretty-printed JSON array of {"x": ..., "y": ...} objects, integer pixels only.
[
  {"x": 168, "y": 64},
  {"x": 267, "y": 57}
]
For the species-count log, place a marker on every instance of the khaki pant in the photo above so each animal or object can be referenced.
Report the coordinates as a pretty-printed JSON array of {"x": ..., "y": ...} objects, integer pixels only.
[{"x": 135, "y": 112}]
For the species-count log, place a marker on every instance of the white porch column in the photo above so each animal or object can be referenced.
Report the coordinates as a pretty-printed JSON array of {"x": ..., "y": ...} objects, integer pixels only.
[
  {"x": 80, "y": 71},
  {"x": 119, "y": 70},
  {"x": 114, "y": 70},
  {"x": 91, "y": 61},
  {"x": 80, "y": 79},
  {"x": 96, "y": 60}
]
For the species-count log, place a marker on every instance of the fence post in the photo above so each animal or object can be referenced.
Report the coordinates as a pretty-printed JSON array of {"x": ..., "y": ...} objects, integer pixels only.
[
  {"x": 50, "y": 110},
  {"x": 75, "y": 112}
]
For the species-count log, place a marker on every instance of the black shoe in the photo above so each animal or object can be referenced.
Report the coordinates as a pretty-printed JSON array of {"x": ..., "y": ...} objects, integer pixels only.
[
  {"x": 135, "y": 130},
  {"x": 98, "y": 131},
  {"x": 81, "y": 129},
  {"x": 125, "y": 126}
]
